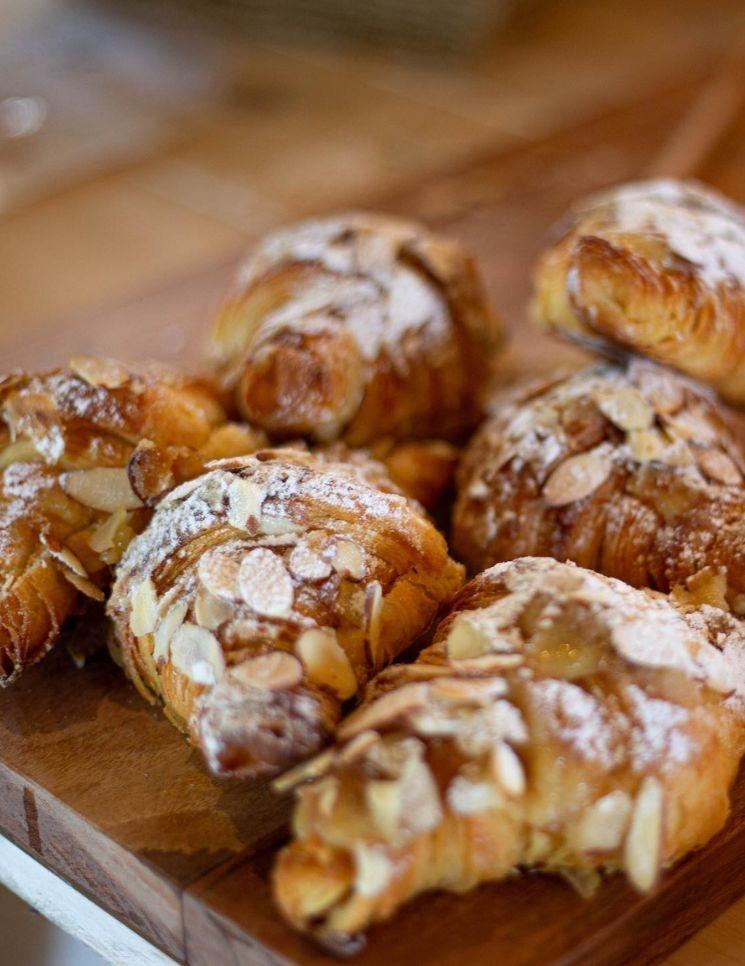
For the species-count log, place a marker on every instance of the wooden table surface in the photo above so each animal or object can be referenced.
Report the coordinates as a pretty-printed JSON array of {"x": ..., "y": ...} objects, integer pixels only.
[{"x": 300, "y": 131}]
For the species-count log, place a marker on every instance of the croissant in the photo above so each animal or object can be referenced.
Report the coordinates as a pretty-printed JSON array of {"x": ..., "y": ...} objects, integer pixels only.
[
  {"x": 561, "y": 721},
  {"x": 657, "y": 267},
  {"x": 628, "y": 470},
  {"x": 82, "y": 453},
  {"x": 265, "y": 593},
  {"x": 356, "y": 327}
]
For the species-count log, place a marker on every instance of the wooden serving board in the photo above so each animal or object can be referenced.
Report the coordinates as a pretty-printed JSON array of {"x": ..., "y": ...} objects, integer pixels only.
[{"x": 99, "y": 787}]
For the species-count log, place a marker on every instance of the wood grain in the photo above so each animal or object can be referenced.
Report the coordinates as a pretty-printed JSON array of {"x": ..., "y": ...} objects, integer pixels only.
[{"x": 99, "y": 786}]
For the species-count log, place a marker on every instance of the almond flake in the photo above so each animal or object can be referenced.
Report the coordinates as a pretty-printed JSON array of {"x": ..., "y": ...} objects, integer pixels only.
[
  {"x": 643, "y": 846},
  {"x": 244, "y": 503},
  {"x": 491, "y": 663},
  {"x": 603, "y": 824},
  {"x": 265, "y": 584},
  {"x": 646, "y": 445},
  {"x": 374, "y": 870},
  {"x": 577, "y": 477},
  {"x": 101, "y": 488},
  {"x": 466, "y": 639},
  {"x": 21, "y": 451},
  {"x": 211, "y": 611},
  {"x": 304, "y": 772},
  {"x": 63, "y": 554},
  {"x": 468, "y": 690},
  {"x": 384, "y": 802},
  {"x": 96, "y": 371},
  {"x": 467, "y": 797},
  {"x": 508, "y": 770},
  {"x": 349, "y": 560},
  {"x": 373, "y": 613},
  {"x": 144, "y": 608},
  {"x": 625, "y": 408},
  {"x": 84, "y": 585},
  {"x": 103, "y": 538},
  {"x": 384, "y": 710},
  {"x": 718, "y": 467},
  {"x": 196, "y": 652},
  {"x": 278, "y": 525},
  {"x": 218, "y": 572},
  {"x": 357, "y": 748},
  {"x": 308, "y": 565},
  {"x": 166, "y": 627},
  {"x": 326, "y": 662},
  {"x": 274, "y": 671}
]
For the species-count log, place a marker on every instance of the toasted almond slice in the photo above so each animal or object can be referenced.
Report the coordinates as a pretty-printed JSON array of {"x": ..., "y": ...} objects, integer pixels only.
[
  {"x": 603, "y": 824},
  {"x": 101, "y": 488},
  {"x": 357, "y": 747},
  {"x": 374, "y": 870},
  {"x": 491, "y": 662},
  {"x": 374, "y": 613},
  {"x": 326, "y": 662},
  {"x": 643, "y": 847},
  {"x": 468, "y": 797},
  {"x": 349, "y": 560},
  {"x": 308, "y": 565},
  {"x": 84, "y": 585},
  {"x": 99, "y": 371},
  {"x": 273, "y": 671},
  {"x": 577, "y": 477},
  {"x": 196, "y": 652},
  {"x": 468, "y": 690},
  {"x": 144, "y": 608},
  {"x": 278, "y": 525},
  {"x": 218, "y": 572},
  {"x": 303, "y": 772},
  {"x": 104, "y": 536},
  {"x": 21, "y": 451},
  {"x": 383, "y": 710},
  {"x": 211, "y": 611},
  {"x": 384, "y": 802},
  {"x": 63, "y": 554},
  {"x": 718, "y": 467},
  {"x": 166, "y": 627},
  {"x": 466, "y": 639},
  {"x": 626, "y": 408},
  {"x": 244, "y": 503},
  {"x": 508, "y": 770},
  {"x": 265, "y": 584}
]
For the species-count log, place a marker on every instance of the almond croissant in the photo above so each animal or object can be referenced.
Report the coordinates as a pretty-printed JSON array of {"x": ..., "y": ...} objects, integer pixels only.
[
  {"x": 561, "y": 721},
  {"x": 265, "y": 593},
  {"x": 631, "y": 471},
  {"x": 356, "y": 327},
  {"x": 657, "y": 267},
  {"x": 82, "y": 453}
]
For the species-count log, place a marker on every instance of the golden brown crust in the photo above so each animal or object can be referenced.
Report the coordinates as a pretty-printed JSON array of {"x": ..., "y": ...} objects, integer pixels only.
[
  {"x": 656, "y": 267},
  {"x": 84, "y": 452},
  {"x": 264, "y": 594},
  {"x": 631, "y": 471},
  {"x": 561, "y": 720},
  {"x": 356, "y": 327}
]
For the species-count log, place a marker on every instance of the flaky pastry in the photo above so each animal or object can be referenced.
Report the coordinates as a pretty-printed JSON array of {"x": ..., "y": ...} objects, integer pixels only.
[
  {"x": 356, "y": 327},
  {"x": 628, "y": 470},
  {"x": 265, "y": 593},
  {"x": 83, "y": 452},
  {"x": 657, "y": 267},
  {"x": 561, "y": 721}
]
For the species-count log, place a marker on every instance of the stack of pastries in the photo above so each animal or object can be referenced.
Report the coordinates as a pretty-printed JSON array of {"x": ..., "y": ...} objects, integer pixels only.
[{"x": 276, "y": 582}]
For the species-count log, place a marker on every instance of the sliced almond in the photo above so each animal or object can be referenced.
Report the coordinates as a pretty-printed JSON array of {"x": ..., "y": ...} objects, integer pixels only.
[
  {"x": 358, "y": 747},
  {"x": 508, "y": 770},
  {"x": 603, "y": 824},
  {"x": 103, "y": 538},
  {"x": 21, "y": 451},
  {"x": 491, "y": 663},
  {"x": 144, "y": 608},
  {"x": 626, "y": 408},
  {"x": 349, "y": 560},
  {"x": 63, "y": 554},
  {"x": 384, "y": 803},
  {"x": 577, "y": 477},
  {"x": 274, "y": 671},
  {"x": 196, "y": 652},
  {"x": 717, "y": 466},
  {"x": 303, "y": 772},
  {"x": 383, "y": 710},
  {"x": 374, "y": 870},
  {"x": 211, "y": 611},
  {"x": 326, "y": 662},
  {"x": 646, "y": 445},
  {"x": 468, "y": 797},
  {"x": 218, "y": 573},
  {"x": 166, "y": 627},
  {"x": 265, "y": 584},
  {"x": 468, "y": 690},
  {"x": 101, "y": 488},
  {"x": 244, "y": 503},
  {"x": 373, "y": 613},
  {"x": 306, "y": 564},
  {"x": 466, "y": 639},
  {"x": 278, "y": 525},
  {"x": 84, "y": 585},
  {"x": 643, "y": 847},
  {"x": 96, "y": 371}
]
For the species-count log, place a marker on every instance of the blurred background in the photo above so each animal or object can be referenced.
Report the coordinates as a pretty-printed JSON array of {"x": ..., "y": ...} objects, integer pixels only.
[{"x": 142, "y": 143}]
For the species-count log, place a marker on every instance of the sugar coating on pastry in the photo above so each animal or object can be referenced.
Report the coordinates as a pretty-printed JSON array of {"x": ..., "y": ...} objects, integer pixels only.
[
  {"x": 263, "y": 594},
  {"x": 540, "y": 730},
  {"x": 628, "y": 470},
  {"x": 654, "y": 267},
  {"x": 358, "y": 327}
]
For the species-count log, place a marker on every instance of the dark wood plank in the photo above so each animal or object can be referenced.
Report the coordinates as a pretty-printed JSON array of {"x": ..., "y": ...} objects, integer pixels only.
[{"x": 102, "y": 789}]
